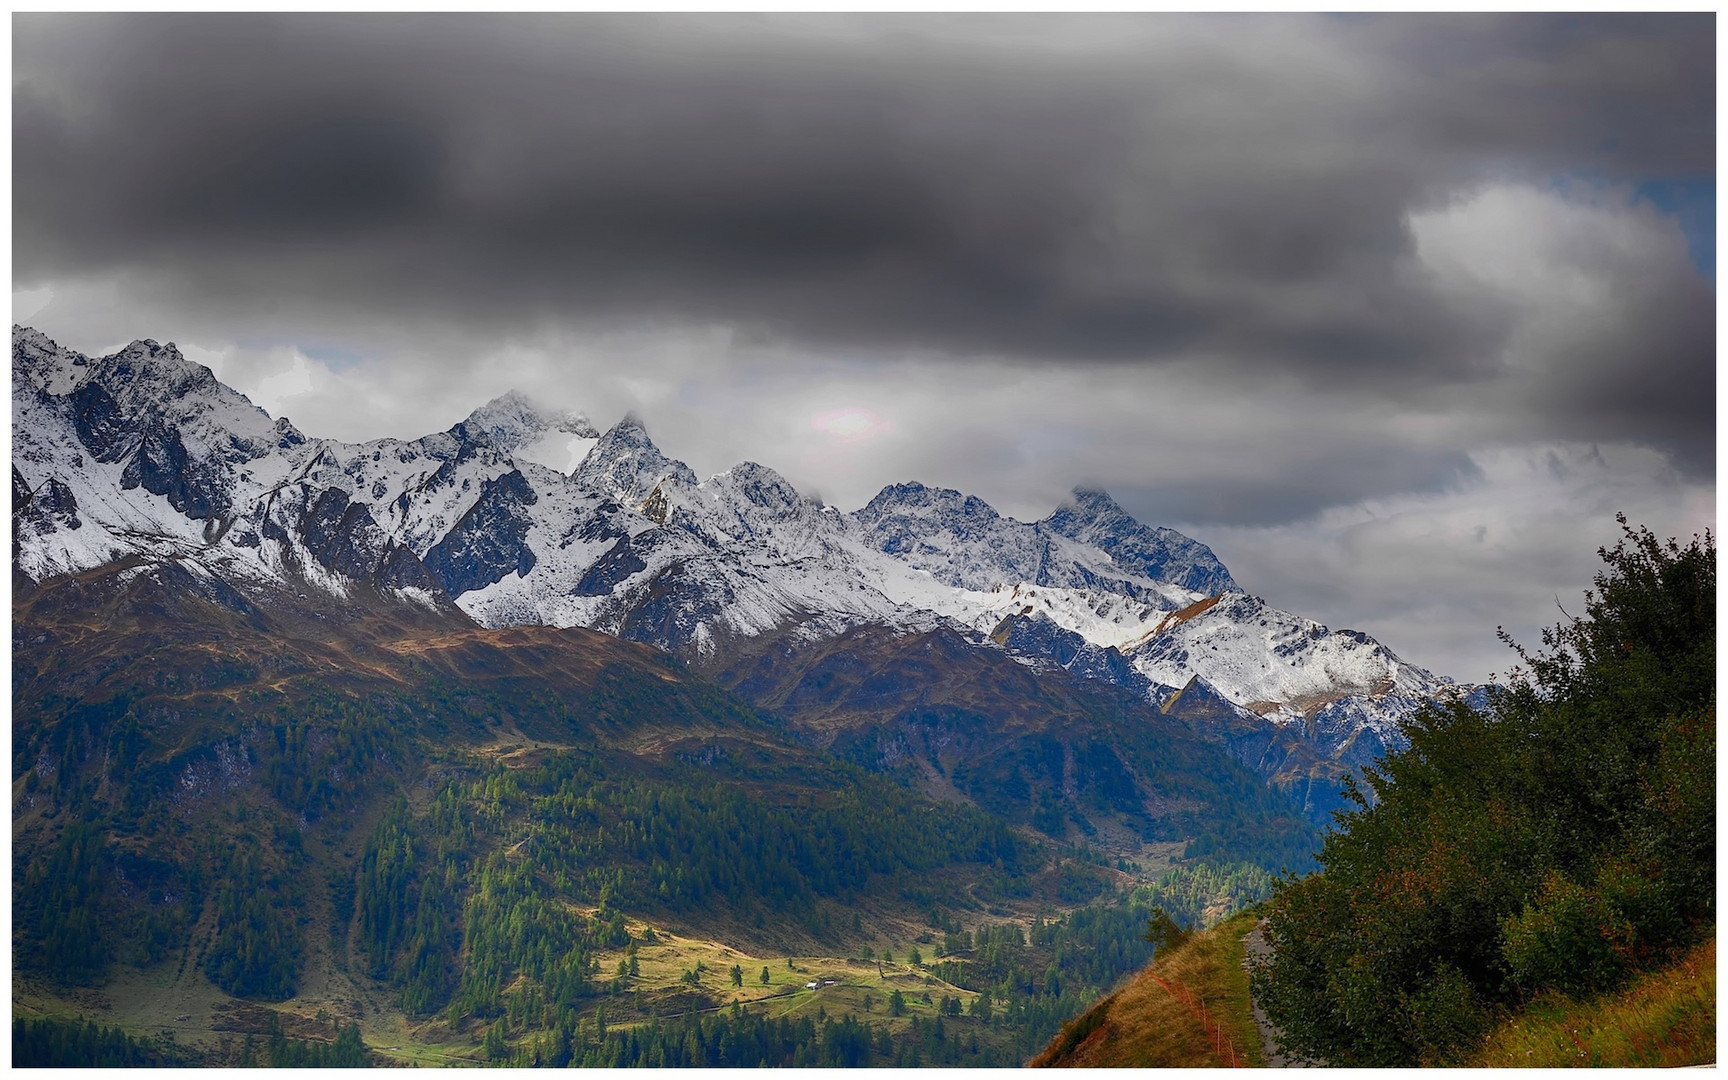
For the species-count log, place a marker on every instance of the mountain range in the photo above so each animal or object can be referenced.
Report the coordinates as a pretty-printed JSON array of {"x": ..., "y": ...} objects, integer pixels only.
[
  {"x": 145, "y": 456},
  {"x": 423, "y": 733}
]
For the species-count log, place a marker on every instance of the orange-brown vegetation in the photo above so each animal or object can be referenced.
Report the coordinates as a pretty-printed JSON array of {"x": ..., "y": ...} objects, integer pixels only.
[
  {"x": 1190, "y": 1009},
  {"x": 1664, "y": 1020}
]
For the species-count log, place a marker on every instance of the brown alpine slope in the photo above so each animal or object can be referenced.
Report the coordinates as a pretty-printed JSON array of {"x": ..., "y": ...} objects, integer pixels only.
[
  {"x": 1076, "y": 759},
  {"x": 1190, "y": 1009}
]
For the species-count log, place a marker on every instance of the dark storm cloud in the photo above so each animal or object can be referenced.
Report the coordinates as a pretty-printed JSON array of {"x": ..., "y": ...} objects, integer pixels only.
[
  {"x": 1231, "y": 192},
  {"x": 1343, "y": 475}
]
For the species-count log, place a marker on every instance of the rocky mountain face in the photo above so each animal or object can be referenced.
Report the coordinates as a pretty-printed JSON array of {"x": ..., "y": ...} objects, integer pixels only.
[{"x": 145, "y": 457}]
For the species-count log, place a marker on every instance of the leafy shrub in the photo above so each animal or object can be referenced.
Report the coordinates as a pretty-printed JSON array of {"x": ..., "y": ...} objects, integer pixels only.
[
  {"x": 1444, "y": 1015},
  {"x": 1569, "y": 938},
  {"x": 1559, "y": 839}
]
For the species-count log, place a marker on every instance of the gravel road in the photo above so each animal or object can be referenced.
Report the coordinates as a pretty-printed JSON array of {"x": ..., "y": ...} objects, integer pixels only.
[{"x": 1256, "y": 950}]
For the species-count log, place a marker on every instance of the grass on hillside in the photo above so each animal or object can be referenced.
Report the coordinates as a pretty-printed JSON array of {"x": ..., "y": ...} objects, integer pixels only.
[
  {"x": 1665, "y": 1019},
  {"x": 1155, "y": 1021},
  {"x": 846, "y": 987},
  {"x": 842, "y": 983}
]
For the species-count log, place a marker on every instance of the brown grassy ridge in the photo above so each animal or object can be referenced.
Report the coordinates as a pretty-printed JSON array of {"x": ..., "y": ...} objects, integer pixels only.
[
  {"x": 1665, "y": 1019},
  {"x": 1156, "y": 1021}
]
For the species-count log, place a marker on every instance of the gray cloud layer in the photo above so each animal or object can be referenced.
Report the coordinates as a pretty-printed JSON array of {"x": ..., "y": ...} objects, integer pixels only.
[
  {"x": 1231, "y": 192},
  {"x": 1327, "y": 292}
]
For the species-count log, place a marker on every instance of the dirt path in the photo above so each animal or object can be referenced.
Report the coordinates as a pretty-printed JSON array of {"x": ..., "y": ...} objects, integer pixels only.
[{"x": 1254, "y": 951}]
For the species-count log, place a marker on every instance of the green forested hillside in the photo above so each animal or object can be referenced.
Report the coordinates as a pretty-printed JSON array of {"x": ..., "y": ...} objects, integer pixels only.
[
  {"x": 84, "y": 1045},
  {"x": 228, "y": 819},
  {"x": 1072, "y": 759},
  {"x": 1560, "y": 843}
]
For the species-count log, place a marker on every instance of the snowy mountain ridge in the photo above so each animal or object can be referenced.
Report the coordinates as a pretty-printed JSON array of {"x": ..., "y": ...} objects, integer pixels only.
[{"x": 146, "y": 455}]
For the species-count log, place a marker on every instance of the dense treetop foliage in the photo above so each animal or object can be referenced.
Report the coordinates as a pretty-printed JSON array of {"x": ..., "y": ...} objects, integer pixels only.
[
  {"x": 84, "y": 1044},
  {"x": 348, "y": 1051},
  {"x": 1558, "y": 841}
]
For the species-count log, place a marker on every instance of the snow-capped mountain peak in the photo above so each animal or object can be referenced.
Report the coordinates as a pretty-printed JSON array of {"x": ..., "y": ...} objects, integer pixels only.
[
  {"x": 146, "y": 375},
  {"x": 757, "y": 492},
  {"x": 626, "y": 465},
  {"x": 42, "y": 364},
  {"x": 903, "y": 517},
  {"x": 143, "y": 454},
  {"x": 1091, "y": 516},
  {"x": 512, "y": 420},
  {"x": 515, "y": 424}
]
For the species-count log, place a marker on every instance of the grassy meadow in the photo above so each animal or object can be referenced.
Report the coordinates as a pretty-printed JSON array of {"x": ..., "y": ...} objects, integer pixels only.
[{"x": 1156, "y": 1021}]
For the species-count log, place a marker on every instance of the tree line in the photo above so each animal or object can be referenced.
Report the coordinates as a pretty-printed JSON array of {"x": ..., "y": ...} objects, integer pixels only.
[{"x": 85, "y": 1044}]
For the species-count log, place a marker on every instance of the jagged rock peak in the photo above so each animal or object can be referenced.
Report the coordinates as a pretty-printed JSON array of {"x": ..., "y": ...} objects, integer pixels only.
[
  {"x": 513, "y": 420},
  {"x": 1091, "y": 516},
  {"x": 157, "y": 373},
  {"x": 630, "y": 431},
  {"x": 626, "y": 465},
  {"x": 41, "y": 363},
  {"x": 1093, "y": 505},
  {"x": 758, "y": 485},
  {"x": 934, "y": 501},
  {"x": 156, "y": 369},
  {"x": 145, "y": 348},
  {"x": 27, "y": 341}
]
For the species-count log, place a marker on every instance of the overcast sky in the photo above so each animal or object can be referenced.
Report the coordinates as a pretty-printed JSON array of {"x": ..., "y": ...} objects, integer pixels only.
[{"x": 1394, "y": 312}]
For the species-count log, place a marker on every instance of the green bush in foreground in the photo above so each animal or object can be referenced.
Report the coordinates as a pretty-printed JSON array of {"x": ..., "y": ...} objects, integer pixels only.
[
  {"x": 1561, "y": 840},
  {"x": 1664, "y": 1019}
]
